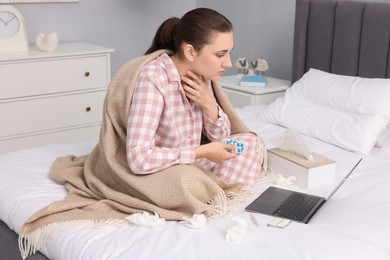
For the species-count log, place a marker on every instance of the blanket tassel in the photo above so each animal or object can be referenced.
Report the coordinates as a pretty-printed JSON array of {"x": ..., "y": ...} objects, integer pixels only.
[{"x": 34, "y": 241}]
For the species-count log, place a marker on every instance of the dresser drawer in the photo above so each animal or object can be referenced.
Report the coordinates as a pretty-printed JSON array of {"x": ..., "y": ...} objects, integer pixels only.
[
  {"x": 45, "y": 114},
  {"x": 65, "y": 136},
  {"x": 38, "y": 77}
]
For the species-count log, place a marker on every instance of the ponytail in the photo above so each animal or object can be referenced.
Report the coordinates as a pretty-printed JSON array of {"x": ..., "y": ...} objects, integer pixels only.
[
  {"x": 196, "y": 27},
  {"x": 165, "y": 36}
]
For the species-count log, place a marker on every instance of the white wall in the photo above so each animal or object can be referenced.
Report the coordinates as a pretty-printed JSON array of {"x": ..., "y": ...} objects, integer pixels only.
[
  {"x": 263, "y": 28},
  {"x": 127, "y": 26}
]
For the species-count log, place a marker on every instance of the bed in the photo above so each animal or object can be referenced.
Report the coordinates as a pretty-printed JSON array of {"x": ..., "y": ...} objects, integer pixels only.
[{"x": 339, "y": 103}]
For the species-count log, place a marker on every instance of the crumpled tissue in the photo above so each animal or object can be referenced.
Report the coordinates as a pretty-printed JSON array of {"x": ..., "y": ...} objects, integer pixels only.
[
  {"x": 146, "y": 220},
  {"x": 283, "y": 181},
  {"x": 291, "y": 141},
  {"x": 236, "y": 229},
  {"x": 196, "y": 222}
]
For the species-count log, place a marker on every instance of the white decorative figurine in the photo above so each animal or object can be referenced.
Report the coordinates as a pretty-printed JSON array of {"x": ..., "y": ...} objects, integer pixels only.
[
  {"x": 260, "y": 66},
  {"x": 47, "y": 42},
  {"x": 243, "y": 67}
]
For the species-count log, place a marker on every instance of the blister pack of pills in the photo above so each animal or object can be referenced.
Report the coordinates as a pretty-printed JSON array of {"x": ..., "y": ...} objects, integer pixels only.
[{"x": 241, "y": 146}]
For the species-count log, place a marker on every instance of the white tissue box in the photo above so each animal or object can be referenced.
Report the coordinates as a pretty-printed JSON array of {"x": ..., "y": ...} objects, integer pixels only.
[{"x": 310, "y": 173}]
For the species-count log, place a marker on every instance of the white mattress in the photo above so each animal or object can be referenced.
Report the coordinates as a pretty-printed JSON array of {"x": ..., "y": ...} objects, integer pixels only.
[{"x": 354, "y": 224}]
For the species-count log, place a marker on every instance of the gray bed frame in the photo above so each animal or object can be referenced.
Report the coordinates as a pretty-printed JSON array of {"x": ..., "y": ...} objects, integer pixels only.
[{"x": 339, "y": 36}]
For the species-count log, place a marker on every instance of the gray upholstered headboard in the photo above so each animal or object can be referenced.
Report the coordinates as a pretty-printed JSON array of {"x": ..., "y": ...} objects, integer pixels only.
[{"x": 343, "y": 37}]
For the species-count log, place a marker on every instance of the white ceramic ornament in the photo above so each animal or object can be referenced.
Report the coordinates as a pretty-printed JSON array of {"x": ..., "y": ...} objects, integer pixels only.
[{"x": 47, "y": 42}]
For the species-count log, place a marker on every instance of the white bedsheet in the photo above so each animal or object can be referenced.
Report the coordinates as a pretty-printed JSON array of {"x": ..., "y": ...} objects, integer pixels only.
[{"x": 354, "y": 224}]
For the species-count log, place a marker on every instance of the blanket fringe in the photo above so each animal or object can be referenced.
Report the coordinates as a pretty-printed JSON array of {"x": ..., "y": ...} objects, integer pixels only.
[
  {"x": 110, "y": 222},
  {"x": 236, "y": 198},
  {"x": 225, "y": 204},
  {"x": 261, "y": 148},
  {"x": 220, "y": 205},
  {"x": 34, "y": 241}
]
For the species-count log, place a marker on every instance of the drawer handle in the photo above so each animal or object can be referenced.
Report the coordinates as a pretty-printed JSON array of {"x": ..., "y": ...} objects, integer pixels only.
[
  {"x": 88, "y": 109},
  {"x": 86, "y": 74}
]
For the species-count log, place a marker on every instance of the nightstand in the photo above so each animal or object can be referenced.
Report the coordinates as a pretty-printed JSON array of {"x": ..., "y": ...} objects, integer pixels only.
[{"x": 244, "y": 96}]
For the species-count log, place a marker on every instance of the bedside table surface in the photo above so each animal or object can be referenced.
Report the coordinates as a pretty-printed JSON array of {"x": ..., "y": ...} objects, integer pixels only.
[{"x": 273, "y": 85}]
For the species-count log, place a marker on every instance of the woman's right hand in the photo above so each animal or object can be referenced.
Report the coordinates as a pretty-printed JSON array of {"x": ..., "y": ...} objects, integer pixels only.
[{"x": 216, "y": 151}]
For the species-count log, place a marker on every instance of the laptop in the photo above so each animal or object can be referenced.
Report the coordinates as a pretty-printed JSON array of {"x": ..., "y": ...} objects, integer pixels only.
[{"x": 293, "y": 205}]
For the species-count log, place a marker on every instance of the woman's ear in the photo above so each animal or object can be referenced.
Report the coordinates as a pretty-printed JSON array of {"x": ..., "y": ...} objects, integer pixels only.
[{"x": 189, "y": 52}]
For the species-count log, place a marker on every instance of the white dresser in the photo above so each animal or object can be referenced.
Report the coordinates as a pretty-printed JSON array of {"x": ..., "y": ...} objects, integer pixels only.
[{"x": 52, "y": 97}]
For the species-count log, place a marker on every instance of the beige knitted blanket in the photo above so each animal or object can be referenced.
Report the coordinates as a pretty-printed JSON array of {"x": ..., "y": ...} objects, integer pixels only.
[{"x": 102, "y": 188}]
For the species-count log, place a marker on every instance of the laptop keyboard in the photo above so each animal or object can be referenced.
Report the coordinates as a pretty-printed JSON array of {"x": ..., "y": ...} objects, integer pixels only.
[{"x": 296, "y": 206}]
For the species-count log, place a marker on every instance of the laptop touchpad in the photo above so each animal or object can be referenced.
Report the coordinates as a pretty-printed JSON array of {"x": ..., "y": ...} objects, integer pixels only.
[{"x": 269, "y": 200}]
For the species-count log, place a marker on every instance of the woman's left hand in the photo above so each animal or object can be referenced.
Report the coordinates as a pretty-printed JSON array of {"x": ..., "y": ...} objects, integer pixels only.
[{"x": 196, "y": 88}]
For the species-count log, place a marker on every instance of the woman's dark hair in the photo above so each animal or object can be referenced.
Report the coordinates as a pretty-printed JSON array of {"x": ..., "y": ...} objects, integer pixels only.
[{"x": 196, "y": 27}]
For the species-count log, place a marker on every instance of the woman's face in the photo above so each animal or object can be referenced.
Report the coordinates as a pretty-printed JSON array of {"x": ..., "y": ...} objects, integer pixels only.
[{"x": 214, "y": 58}]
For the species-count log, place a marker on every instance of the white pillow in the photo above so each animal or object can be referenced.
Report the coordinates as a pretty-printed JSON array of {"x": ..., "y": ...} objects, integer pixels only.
[
  {"x": 335, "y": 109},
  {"x": 347, "y": 93},
  {"x": 354, "y": 132}
]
